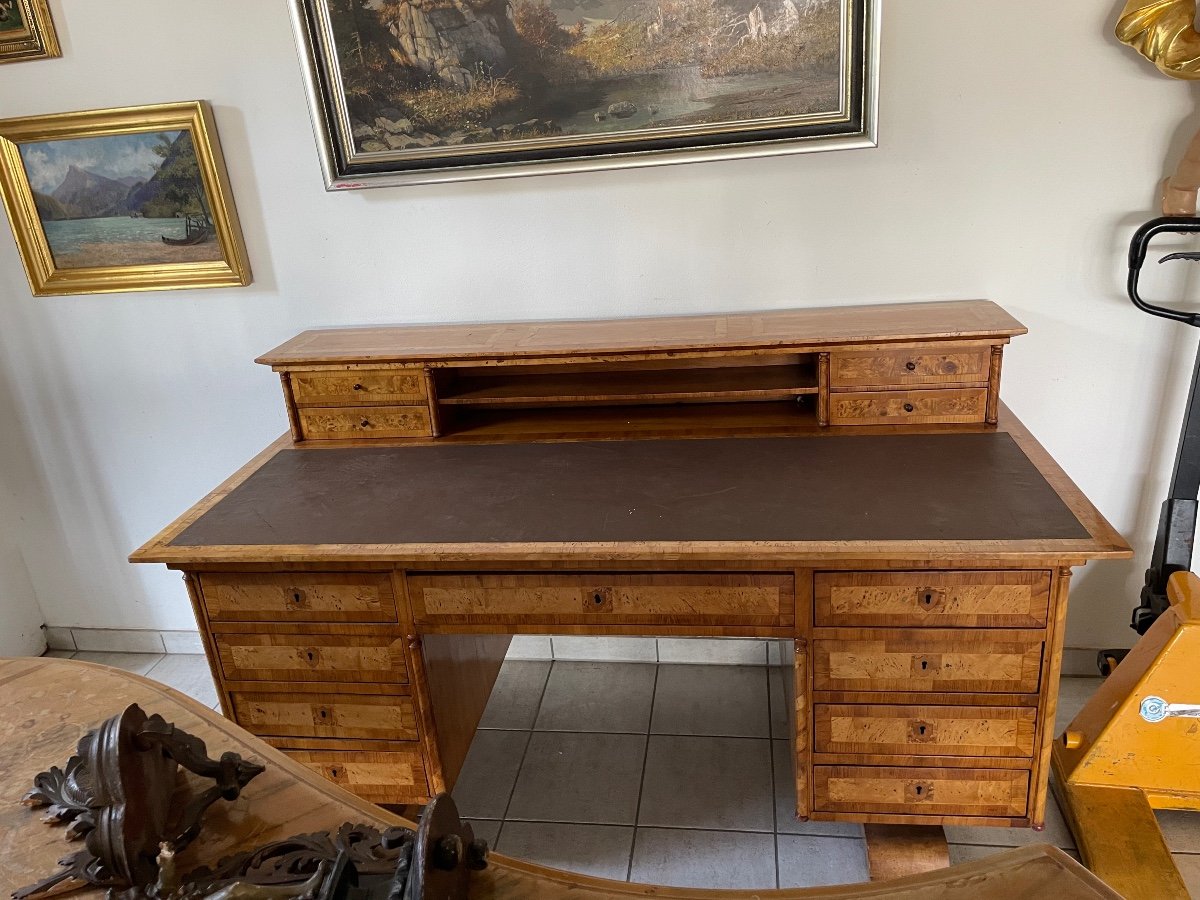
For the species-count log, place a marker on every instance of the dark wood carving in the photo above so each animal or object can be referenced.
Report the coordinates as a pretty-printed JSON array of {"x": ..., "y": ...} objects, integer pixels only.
[{"x": 117, "y": 795}]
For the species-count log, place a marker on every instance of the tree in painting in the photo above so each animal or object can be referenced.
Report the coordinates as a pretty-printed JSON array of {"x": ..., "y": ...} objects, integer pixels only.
[{"x": 422, "y": 73}]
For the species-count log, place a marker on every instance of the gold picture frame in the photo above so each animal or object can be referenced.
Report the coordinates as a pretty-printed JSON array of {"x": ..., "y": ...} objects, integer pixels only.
[
  {"x": 27, "y": 31},
  {"x": 114, "y": 200}
]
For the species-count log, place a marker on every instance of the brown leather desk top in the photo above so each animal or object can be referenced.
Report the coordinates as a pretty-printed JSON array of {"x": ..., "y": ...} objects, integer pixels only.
[{"x": 960, "y": 487}]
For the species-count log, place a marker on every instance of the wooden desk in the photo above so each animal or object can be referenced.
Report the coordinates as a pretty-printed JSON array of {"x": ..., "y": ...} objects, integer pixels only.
[
  {"x": 444, "y": 488},
  {"x": 52, "y": 703}
]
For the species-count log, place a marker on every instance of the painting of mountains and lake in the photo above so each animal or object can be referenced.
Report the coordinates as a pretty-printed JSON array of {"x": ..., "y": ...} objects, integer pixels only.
[
  {"x": 445, "y": 82},
  {"x": 121, "y": 200}
]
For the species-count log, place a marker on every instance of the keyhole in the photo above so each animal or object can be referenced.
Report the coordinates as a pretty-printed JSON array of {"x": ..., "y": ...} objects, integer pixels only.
[
  {"x": 920, "y": 790},
  {"x": 333, "y": 773},
  {"x": 365, "y": 423},
  {"x": 311, "y": 656},
  {"x": 921, "y": 729},
  {"x": 927, "y": 599},
  {"x": 324, "y": 714},
  {"x": 358, "y": 387},
  {"x": 597, "y": 598},
  {"x": 911, "y": 366},
  {"x": 924, "y": 664},
  {"x": 908, "y": 407}
]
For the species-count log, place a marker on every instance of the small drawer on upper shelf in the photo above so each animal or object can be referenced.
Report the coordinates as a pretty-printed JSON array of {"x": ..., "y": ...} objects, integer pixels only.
[
  {"x": 356, "y": 423},
  {"x": 298, "y": 596},
  {"x": 365, "y": 658},
  {"x": 288, "y": 713},
  {"x": 924, "y": 730},
  {"x": 377, "y": 776},
  {"x": 729, "y": 599},
  {"x": 933, "y": 661},
  {"x": 357, "y": 388},
  {"x": 958, "y": 599},
  {"x": 912, "y": 366},
  {"x": 921, "y": 792},
  {"x": 928, "y": 407}
]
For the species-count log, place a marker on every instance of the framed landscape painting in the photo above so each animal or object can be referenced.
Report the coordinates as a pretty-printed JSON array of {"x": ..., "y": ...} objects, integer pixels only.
[
  {"x": 412, "y": 91},
  {"x": 128, "y": 199},
  {"x": 26, "y": 31}
]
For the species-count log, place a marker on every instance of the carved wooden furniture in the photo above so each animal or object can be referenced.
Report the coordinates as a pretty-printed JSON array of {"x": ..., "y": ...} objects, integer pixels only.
[
  {"x": 51, "y": 703},
  {"x": 859, "y": 489}
]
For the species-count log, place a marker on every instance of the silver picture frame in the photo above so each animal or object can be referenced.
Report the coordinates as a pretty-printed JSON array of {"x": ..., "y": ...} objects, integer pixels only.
[{"x": 346, "y": 167}]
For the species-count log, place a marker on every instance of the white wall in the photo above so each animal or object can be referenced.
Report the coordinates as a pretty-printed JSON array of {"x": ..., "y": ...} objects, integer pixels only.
[{"x": 1020, "y": 144}]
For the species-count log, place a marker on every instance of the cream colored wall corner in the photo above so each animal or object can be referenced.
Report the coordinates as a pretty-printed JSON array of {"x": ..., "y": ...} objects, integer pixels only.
[{"x": 1019, "y": 147}]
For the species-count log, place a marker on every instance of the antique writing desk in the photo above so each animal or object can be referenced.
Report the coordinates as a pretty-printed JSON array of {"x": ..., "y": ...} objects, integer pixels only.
[{"x": 844, "y": 478}]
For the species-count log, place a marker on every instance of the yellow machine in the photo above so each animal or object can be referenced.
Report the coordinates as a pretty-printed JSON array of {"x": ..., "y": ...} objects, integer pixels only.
[{"x": 1133, "y": 749}]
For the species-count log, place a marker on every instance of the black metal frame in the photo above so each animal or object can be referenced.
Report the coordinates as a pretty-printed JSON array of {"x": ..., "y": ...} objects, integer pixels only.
[{"x": 1177, "y": 522}]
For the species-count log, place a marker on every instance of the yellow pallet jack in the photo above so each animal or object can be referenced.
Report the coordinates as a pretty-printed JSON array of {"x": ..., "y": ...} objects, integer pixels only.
[{"x": 1132, "y": 749}]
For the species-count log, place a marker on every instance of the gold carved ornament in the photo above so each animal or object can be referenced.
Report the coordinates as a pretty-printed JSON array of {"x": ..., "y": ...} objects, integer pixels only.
[{"x": 1163, "y": 31}]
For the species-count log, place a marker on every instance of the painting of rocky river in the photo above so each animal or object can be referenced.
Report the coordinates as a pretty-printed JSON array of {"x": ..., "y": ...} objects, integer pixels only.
[
  {"x": 420, "y": 76},
  {"x": 121, "y": 200}
]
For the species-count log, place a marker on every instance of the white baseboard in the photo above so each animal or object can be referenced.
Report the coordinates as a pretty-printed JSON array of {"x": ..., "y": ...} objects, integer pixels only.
[{"x": 1077, "y": 661}]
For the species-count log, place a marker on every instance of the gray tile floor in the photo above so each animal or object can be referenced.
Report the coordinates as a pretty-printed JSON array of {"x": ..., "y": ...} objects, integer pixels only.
[
  {"x": 668, "y": 774},
  {"x": 681, "y": 775}
]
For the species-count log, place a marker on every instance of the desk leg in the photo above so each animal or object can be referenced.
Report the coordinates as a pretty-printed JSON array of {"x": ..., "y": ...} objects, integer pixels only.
[
  {"x": 801, "y": 743},
  {"x": 894, "y": 851}
]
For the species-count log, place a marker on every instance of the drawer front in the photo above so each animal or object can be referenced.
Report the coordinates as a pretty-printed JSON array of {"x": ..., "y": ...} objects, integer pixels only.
[
  {"x": 955, "y": 599},
  {"x": 368, "y": 716},
  {"x": 299, "y": 597},
  {"x": 366, "y": 422},
  {"x": 921, "y": 792},
  {"x": 914, "y": 366},
  {"x": 924, "y": 730},
  {"x": 634, "y": 599},
  {"x": 312, "y": 657},
  {"x": 922, "y": 662},
  {"x": 908, "y": 407},
  {"x": 394, "y": 776},
  {"x": 354, "y": 388}
]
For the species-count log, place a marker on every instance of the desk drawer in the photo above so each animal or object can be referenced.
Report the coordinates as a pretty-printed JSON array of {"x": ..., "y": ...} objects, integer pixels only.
[
  {"x": 924, "y": 730},
  {"x": 378, "y": 776},
  {"x": 921, "y": 792},
  {"x": 365, "y": 422},
  {"x": 925, "y": 661},
  {"x": 299, "y": 597},
  {"x": 357, "y": 388},
  {"x": 956, "y": 599},
  {"x": 368, "y": 658},
  {"x": 603, "y": 597},
  {"x": 908, "y": 407},
  {"x": 288, "y": 714},
  {"x": 911, "y": 366}
]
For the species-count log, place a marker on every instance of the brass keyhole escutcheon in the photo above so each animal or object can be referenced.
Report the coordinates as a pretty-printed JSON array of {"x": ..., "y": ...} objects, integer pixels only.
[
  {"x": 920, "y": 791},
  {"x": 920, "y": 732},
  {"x": 927, "y": 598}
]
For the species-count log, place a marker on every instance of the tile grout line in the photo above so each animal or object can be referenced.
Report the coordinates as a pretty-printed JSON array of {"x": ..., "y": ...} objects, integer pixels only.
[
  {"x": 832, "y": 837},
  {"x": 525, "y": 750},
  {"x": 637, "y": 812},
  {"x": 771, "y": 766}
]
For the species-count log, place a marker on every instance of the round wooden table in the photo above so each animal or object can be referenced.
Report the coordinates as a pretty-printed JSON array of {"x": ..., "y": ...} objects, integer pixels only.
[{"x": 47, "y": 705}]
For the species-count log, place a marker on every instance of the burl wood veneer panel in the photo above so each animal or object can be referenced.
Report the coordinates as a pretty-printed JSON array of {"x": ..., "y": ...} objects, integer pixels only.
[{"x": 860, "y": 487}]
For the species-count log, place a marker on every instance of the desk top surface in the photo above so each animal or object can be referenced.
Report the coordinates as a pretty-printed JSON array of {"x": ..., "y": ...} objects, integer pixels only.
[{"x": 939, "y": 494}]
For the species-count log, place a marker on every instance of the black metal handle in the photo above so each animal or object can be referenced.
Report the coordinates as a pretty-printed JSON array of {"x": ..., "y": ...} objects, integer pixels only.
[{"x": 1137, "y": 255}]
